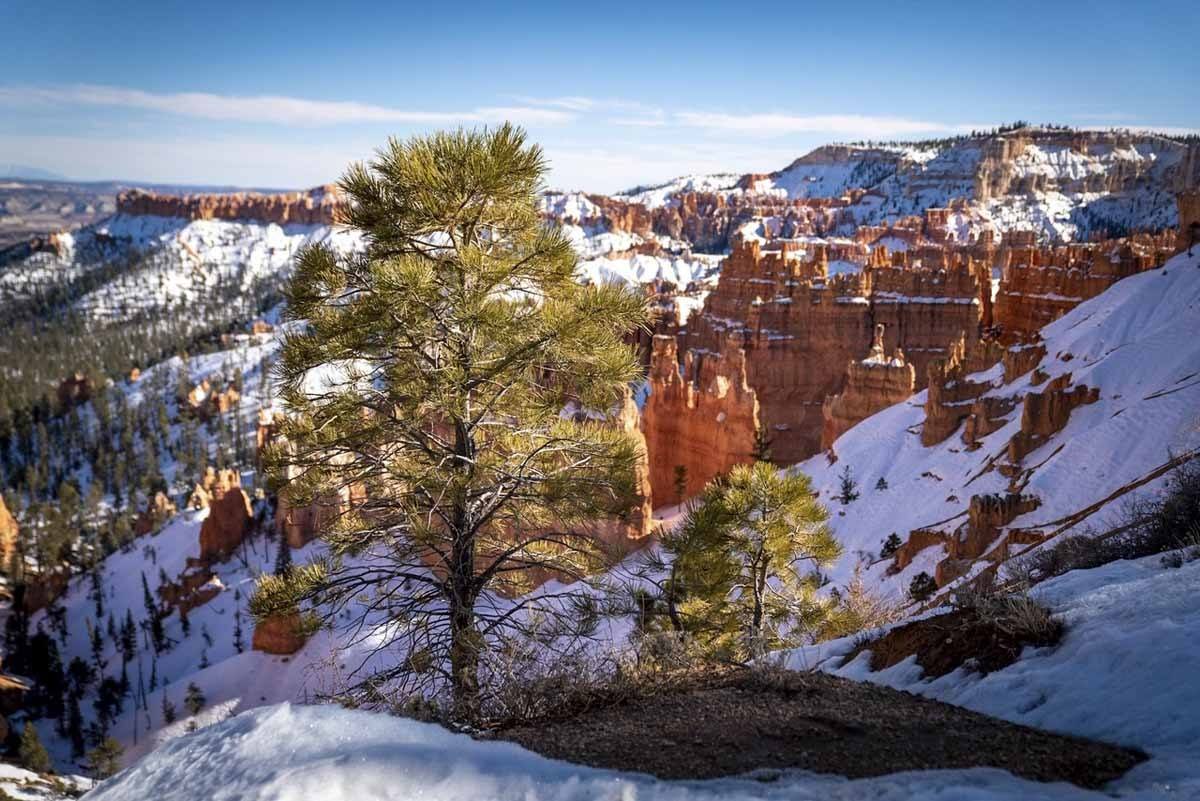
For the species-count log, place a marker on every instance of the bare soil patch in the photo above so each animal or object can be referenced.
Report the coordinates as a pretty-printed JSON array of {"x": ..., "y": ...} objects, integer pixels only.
[
  {"x": 953, "y": 640},
  {"x": 733, "y": 722}
]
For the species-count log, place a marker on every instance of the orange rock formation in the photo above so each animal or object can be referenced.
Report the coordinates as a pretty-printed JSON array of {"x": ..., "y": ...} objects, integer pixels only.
[{"x": 316, "y": 206}]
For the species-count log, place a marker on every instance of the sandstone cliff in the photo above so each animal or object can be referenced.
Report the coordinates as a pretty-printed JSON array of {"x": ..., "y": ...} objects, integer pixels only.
[{"x": 317, "y": 206}]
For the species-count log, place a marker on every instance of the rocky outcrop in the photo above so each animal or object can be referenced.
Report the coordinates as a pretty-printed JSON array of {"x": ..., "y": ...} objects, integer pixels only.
[
  {"x": 157, "y": 512},
  {"x": 952, "y": 395},
  {"x": 872, "y": 384},
  {"x": 1189, "y": 220},
  {"x": 74, "y": 390},
  {"x": 9, "y": 533},
  {"x": 317, "y": 206},
  {"x": 281, "y": 635},
  {"x": 204, "y": 401},
  {"x": 799, "y": 327},
  {"x": 1041, "y": 284},
  {"x": 702, "y": 419},
  {"x": 229, "y": 518},
  {"x": 196, "y": 586},
  {"x": 1046, "y": 413}
]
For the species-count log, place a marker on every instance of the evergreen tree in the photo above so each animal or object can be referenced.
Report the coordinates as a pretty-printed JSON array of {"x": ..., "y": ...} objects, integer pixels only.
[
  {"x": 158, "y": 637},
  {"x": 105, "y": 759},
  {"x": 75, "y": 726},
  {"x": 890, "y": 546},
  {"x": 185, "y": 624},
  {"x": 465, "y": 319},
  {"x": 737, "y": 554},
  {"x": 283, "y": 559},
  {"x": 849, "y": 487},
  {"x": 194, "y": 700},
  {"x": 46, "y": 670},
  {"x": 922, "y": 587},
  {"x": 32, "y": 753},
  {"x": 128, "y": 637},
  {"x": 680, "y": 480},
  {"x": 168, "y": 710},
  {"x": 238, "y": 642},
  {"x": 881, "y": 484}
]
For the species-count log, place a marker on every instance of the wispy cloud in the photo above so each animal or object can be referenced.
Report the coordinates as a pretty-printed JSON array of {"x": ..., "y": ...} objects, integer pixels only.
[
  {"x": 267, "y": 108},
  {"x": 835, "y": 124}
]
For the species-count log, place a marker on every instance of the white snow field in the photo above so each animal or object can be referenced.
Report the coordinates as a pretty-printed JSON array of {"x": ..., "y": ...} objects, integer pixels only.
[{"x": 1124, "y": 673}]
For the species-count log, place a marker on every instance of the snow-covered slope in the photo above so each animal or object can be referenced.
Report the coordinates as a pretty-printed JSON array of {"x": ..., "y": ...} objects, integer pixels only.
[
  {"x": 1136, "y": 343},
  {"x": 1124, "y": 672}
]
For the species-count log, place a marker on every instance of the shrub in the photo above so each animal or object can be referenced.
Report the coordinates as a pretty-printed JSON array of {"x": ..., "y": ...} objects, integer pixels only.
[
  {"x": 1154, "y": 525},
  {"x": 922, "y": 587},
  {"x": 890, "y": 546}
]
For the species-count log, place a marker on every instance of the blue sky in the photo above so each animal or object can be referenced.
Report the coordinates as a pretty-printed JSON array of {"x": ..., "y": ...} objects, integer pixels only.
[{"x": 285, "y": 94}]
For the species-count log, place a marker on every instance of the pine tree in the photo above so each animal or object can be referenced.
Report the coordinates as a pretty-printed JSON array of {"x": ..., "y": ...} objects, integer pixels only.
[
  {"x": 736, "y": 555},
  {"x": 105, "y": 759},
  {"x": 168, "y": 710},
  {"x": 881, "y": 484},
  {"x": 849, "y": 487},
  {"x": 465, "y": 319},
  {"x": 128, "y": 637},
  {"x": 194, "y": 700},
  {"x": 922, "y": 587},
  {"x": 681, "y": 479},
  {"x": 283, "y": 559},
  {"x": 158, "y": 636},
  {"x": 75, "y": 726},
  {"x": 239, "y": 644},
  {"x": 32, "y": 753},
  {"x": 185, "y": 624},
  {"x": 890, "y": 546}
]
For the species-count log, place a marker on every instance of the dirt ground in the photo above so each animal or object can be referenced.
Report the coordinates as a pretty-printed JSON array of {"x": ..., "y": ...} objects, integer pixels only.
[{"x": 734, "y": 722}]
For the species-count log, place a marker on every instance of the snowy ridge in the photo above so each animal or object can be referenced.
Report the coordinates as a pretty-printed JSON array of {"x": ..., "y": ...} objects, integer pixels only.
[{"x": 1136, "y": 342}]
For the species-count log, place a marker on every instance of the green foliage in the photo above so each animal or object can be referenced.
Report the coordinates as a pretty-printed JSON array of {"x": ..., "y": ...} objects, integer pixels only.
[
  {"x": 890, "y": 546},
  {"x": 105, "y": 759},
  {"x": 744, "y": 562},
  {"x": 32, "y": 753},
  {"x": 922, "y": 587},
  {"x": 194, "y": 699},
  {"x": 448, "y": 352},
  {"x": 849, "y": 487}
]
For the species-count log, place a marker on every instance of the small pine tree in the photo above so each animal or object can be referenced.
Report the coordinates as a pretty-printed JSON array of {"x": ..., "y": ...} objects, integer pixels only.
[
  {"x": 762, "y": 445},
  {"x": 32, "y": 753},
  {"x": 890, "y": 546},
  {"x": 681, "y": 479},
  {"x": 75, "y": 726},
  {"x": 849, "y": 487},
  {"x": 168, "y": 710},
  {"x": 922, "y": 587},
  {"x": 239, "y": 644},
  {"x": 194, "y": 700},
  {"x": 283, "y": 561},
  {"x": 105, "y": 759},
  {"x": 184, "y": 623},
  {"x": 736, "y": 556},
  {"x": 881, "y": 484}
]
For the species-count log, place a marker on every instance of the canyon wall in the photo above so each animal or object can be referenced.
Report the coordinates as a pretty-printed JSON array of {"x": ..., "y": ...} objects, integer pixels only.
[
  {"x": 702, "y": 420},
  {"x": 317, "y": 206},
  {"x": 872, "y": 384}
]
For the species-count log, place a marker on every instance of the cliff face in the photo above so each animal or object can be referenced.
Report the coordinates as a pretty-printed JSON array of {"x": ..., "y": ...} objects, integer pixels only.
[
  {"x": 317, "y": 206},
  {"x": 9, "y": 530},
  {"x": 703, "y": 420},
  {"x": 1039, "y": 285},
  {"x": 872, "y": 384},
  {"x": 800, "y": 327}
]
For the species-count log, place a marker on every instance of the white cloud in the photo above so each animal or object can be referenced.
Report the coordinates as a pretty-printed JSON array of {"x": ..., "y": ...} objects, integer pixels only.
[
  {"x": 266, "y": 108},
  {"x": 863, "y": 125}
]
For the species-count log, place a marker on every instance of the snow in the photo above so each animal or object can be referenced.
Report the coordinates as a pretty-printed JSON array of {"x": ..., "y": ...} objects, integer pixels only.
[
  {"x": 1124, "y": 672},
  {"x": 1136, "y": 342},
  {"x": 296, "y": 753}
]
